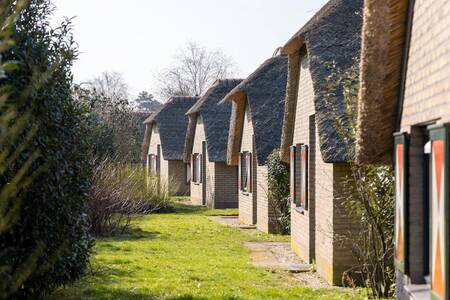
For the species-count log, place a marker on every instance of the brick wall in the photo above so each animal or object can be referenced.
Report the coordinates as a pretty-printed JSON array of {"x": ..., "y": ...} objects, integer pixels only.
[
  {"x": 225, "y": 186},
  {"x": 153, "y": 149},
  {"x": 220, "y": 185},
  {"x": 197, "y": 189},
  {"x": 315, "y": 232},
  {"x": 302, "y": 224},
  {"x": 427, "y": 101},
  {"x": 199, "y": 138},
  {"x": 247, "y": 201},
  {"x": 344, "y": 226},
  {"x": 427, "y": 94},
  {"x": 254, "y": 207},
  {"x": 171, "y": 172},
  {"x": 262, "y": 204},
  {"x": 177, "y": 169}
]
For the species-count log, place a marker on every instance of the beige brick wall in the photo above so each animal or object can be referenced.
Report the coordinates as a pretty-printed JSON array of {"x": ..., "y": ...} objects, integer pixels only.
[
  {"x": 302, "y": 224},
  {"x": 197, "y": 189},
  {"x": 225, "y": 186},
  {"x": 315, "y": 232},
  {"x": 154, "y": 142},
  {"x": 344, "y": 226},
  {"x": 221, "y": 180},
  {"x": 254, "y": 207},
  {"x": 427, "y": 94},
  {"x": 177, "y": 169},
  {"x": 427, "y": 101},
  {"x": 171, "y": 172},
  {"x": 264, "y": 222},
  {"x": 247, "y": 201}
]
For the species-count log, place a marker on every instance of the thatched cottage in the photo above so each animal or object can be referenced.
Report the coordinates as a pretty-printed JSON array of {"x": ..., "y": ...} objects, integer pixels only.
[
  {"x": 213, "y": 182},
  {"x": 255, "y": 131},
  {"x": 318, "y": 153},
  {"x": 165, "y": 133},
  {"x": 404, "y": 116}
]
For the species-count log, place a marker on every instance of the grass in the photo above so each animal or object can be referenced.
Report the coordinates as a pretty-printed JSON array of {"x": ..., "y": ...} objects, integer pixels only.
[{"x": 184, "y": 255}]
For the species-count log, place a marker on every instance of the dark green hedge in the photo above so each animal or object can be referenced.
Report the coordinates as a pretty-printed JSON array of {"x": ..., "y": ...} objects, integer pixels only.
[{"x": 52, "y": 220}]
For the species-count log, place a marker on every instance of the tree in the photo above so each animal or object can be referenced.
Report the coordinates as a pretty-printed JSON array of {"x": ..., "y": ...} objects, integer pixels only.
[
  {"x": 145, "y": 102},
  {"x": 194, "y": 69},
  {"x": 115, "y": 128},
  {"x": 110, "y": 84}
]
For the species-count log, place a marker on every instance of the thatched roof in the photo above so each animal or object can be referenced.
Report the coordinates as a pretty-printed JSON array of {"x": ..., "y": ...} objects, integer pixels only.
[
  {"x": 216, "y": 120},
  {"x": 172, "y": 122},
  {"x": 332, "y": 39},
  {"x": 264, "y": 91},
  {"x": 384, "y": 33}
]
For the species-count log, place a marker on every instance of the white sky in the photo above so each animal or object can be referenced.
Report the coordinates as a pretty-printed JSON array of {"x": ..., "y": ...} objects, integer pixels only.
[{"x": 139, "y": 37}]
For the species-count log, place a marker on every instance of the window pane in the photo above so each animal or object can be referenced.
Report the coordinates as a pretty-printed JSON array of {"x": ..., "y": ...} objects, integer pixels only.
[
  {"x": 304, "y": 176},
  {"x": 249, "y": 171},
  {"x": 292, "y": 173}
]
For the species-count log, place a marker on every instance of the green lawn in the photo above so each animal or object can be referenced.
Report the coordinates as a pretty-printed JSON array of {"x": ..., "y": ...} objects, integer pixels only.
[{"x": 184, "y": 255}]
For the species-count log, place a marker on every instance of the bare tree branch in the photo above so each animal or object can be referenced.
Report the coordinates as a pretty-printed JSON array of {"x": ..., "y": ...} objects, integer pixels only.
[{"x": 194, "y": 69}]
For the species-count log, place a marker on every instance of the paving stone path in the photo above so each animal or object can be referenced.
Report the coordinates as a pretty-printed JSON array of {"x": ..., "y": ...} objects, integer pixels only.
[
  {"x": 276, "y": 255},
  {"x": 230, "y": 221}
]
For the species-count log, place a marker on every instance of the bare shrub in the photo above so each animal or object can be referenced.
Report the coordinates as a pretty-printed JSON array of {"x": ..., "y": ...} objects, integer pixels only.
[
  {"x": 370, "y": 196},
  {"x": 119, "y": 191},
  {"x": 370, "y": 201}
]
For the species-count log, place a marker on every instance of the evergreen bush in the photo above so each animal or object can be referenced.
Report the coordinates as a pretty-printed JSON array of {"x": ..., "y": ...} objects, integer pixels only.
[{"x": 46, "y": 244}]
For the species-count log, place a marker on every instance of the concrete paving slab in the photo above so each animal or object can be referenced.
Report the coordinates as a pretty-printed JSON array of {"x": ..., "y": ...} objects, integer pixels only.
[
  {"x": 279, "y": 255},
  {"x": 232, "y": 221}
]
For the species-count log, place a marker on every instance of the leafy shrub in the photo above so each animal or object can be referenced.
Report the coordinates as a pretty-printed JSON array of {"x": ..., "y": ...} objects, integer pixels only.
[
  {"x": 47, "y": 244},
  {"x": 278, "y": 192},
  {"x": 120, "y": 191},
  {"x": 370, "y": 201},
  {"x": 14, "y": 120}
]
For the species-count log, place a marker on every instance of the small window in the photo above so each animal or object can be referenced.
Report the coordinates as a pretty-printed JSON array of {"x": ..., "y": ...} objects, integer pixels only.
[
  {"x": 292, "y": 172},
  {"x": 303, "y": 177},
  {"x": 152, "y": 164},
  {"x": 187, "y": 173},
  {"x": 196, "y": 168},
  {"x": 245, "y": 169}
]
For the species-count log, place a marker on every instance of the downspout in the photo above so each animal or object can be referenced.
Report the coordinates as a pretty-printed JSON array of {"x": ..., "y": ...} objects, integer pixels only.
[{"x": 405, "y": 59}]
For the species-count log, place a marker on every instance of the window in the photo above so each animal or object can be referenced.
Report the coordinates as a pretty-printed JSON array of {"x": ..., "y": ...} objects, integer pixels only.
[
  {"x": 245, "y": 170},
  {"x": 292, "y": 172},
  {"x": 196, "y": 168},
  {"x": 187, "y": 173},
  {"x": 299, "y": 175},
  {"x": 152, "y": 164},
  {"x": 303, "y": 201}
]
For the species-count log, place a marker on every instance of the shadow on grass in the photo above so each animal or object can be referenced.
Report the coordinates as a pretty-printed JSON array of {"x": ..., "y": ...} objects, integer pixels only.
[
  {"x": 133, "y": 234},
  {"x": 107, "y": 273},
  {"x": 135, "y": 295},
  {"x": 181, "y": 208},
  {"x": 190, "y": 297}
]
